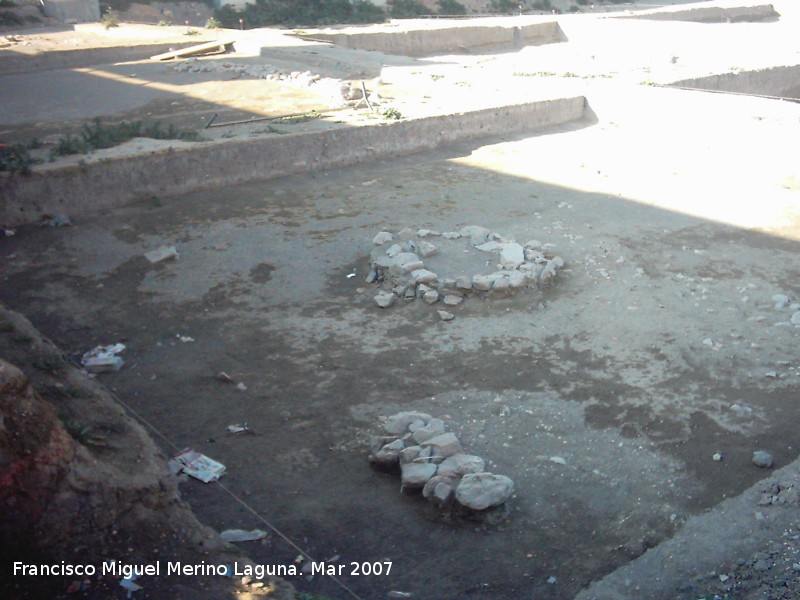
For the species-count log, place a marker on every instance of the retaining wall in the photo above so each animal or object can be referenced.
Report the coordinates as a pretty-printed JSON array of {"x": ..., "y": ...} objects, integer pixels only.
[
  {"x": 109, "y": 183},
  {"x": 446, "y": 39},
  {"x": 782, "y": 82}
]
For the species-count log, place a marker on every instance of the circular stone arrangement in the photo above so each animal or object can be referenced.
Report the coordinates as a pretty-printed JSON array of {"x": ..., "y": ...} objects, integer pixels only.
[
  {"x": 433, "y": 460},
  {"x": 447, "y": 267}
]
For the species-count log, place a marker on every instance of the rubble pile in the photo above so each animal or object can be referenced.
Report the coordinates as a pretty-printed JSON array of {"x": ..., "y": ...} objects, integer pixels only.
[{"x": 432, "y": 460}]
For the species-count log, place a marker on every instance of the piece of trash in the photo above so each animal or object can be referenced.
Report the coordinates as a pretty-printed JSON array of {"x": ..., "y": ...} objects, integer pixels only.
[
  {"x": 551, "y": 580},
  {"x": 197, "y": 465},
  {"x": 716, "y": 457},
  {"x": 241, "y": 387},
  {"x": 161, "y": 254},
  {"x": 398, "y": 594},
  {"x": 239, "y": 428},
  {"x": 57, "y": 221},
  {"x": 240, "y": 535},
  {"x": 351, "y": 275},
  {"x": 224, "y": 377},
  {"x": 103, "y": 359},
  {"x": 10, "y": 232},
  {"x": 184, "y": 338},
  {"x": 128, "y": 584},
  {"x": 558, "y": 460}
]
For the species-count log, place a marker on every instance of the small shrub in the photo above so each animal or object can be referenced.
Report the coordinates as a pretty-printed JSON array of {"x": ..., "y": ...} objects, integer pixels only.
[
  {"x": 16, "y": 159},
  {"x": 213, "y": 23},
  {"x": 506, "y": 7},
  {"x": 392, "y": 113},
  {"x": 110, "y": 19},
  {"x": 451, "y": 7},
  {"x": 408, "y": 9},
  {"x": 191, "y": 32},
  {"x": 543, "y": 5}
]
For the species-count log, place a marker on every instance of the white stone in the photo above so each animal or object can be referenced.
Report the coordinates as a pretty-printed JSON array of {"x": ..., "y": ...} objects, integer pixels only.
[
  {"x": 464, "y": 283},
  {"x": 451, "y": 300},
  {"x": 481, "y": 283},
  {"x": 382, "y": 238},
  {"x": 406, "y": 234},
  {"x": 431, "y": 430},
  {"x": 480, "y": 491},
  {"x": 533, "y": 244},
  {"x": 461, "y": 464},
  {"x": 512, "y": 255},
  {"x": 160, "y": 254},
  {"x": 389, "y": 454},
  {"x": 444, "y": 445},
  {"x": 408, "y": 261},
  {"x": 516, "y": 279},
  {"x": 501, "y": 283},
  {"x": 451, "y": 235},
  {"x": 424, "y": 276},
  {"x": 439, "y": 488},
  {"x": 409, "y": 454},
  {"x": 446, "y": 316},
  {"x": 416, "y": 475},
  {"x": 476, "y": 233},
  {"x": 397, "y": 424},
  {"x": 489, "y": 247},
  {"x": 431, "y": 297},
  {"x": 385, "y": 299},
  {"x": 394, "y": 250},
  {"x": 425, "y": 249},
  {"x": 795, "y": 318}
]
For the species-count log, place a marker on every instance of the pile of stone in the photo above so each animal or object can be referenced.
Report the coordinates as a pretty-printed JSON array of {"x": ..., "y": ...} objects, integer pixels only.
[
  {"x": 432, "y": 460},
  {"x": 498, "y": 266},
  {"x": 783, "y": 492}
]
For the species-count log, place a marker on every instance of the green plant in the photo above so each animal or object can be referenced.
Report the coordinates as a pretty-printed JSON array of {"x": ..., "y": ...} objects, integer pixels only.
[
  {"x": 213, "y": 23},
  {"x": 16, "y": 159},
  {"x": 451, "y": 7},
  {"x": 164, "y": 23},
  {"x": 408, "y": 9},
  {"x": 294, "y": 13},
  {"x": 53, "y": 363},
  {"x": 392, "y": 113},
  {"x": 543, "y": 5},
  {"x": 191, "y": 32},
  {"x": 506, "y": 7},
  {"x": 110, "y": 19}
]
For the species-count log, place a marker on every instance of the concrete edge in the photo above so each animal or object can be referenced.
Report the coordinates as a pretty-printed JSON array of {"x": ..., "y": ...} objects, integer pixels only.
[
  {"x": 728, "y": 532},
  {"x": 109, "y": 183}
]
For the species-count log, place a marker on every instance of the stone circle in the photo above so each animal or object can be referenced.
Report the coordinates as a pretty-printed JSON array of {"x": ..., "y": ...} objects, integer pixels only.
[{"x": 448, "y": 267}]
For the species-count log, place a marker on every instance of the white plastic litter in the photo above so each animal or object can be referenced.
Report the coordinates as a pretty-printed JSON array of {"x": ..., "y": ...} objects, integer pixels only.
[
  {"x": 240, "y": 535},
  {"x": 197, "y": 465},
  {"x": 103, "y": 359}
]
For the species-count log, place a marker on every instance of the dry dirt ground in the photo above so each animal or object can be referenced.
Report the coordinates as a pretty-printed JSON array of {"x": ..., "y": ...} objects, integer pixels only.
[{"x": 659, "y": 346}]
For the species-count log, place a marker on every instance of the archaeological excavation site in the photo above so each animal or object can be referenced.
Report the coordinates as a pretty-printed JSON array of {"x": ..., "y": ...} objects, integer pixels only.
[{"x": 497, "y": 303}]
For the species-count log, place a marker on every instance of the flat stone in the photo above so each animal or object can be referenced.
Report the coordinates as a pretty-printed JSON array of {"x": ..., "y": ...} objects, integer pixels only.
[
  {"x": 795, "y": 320},
  {"x": 461, "y": 464},
  {"x": 534, "y": 244},
  {"x": 516, "y": 279},
  {"x": 481, "y": 283},
  {"x": 489, "y": 247},
  {"x": 451, "y": 235},
  {"x": 393, "y": 250},
  {"x": 446, "y": 316},
  {"x": 424, "y": 276},
  {"x": 431, "y": 430},
  {"x": 512, "y": 255},
  {"x": 382, "y": 238},
  {"x": 762, "y": 459},
  {"x": 397, "y": 424},
  {"x": 547, "y": 276},
  {"x": 418, "y": 424},
  {"x": 444, "y": 445},
  {"x": 406, "y": 234},
  {"x": 557, "y": 262},
  {"x": 425, "y": 249},
  {"x": 451, "y": 300},
  {"x": 385, "y": 299},
  {"x": 476, "y": 233},
  {"x": 480, "y": 491},
  {"x": 372, "y": 276},
  {"x": 464, "y": 283},
  {"x": 533, "y": 255},
  {"x": 439, "y": 488},
  {"x": 416, "y": 475},
  {"x": 781, "y": 300},
  {"x": 501, "y": 283},
  {"x": 409, "y": 454},
  {"x": 389, "y": 454},
  {"x": 424, "y": 233},
  {"x": 408, "y": 261},
  {"x": 431, "y": 297}
]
